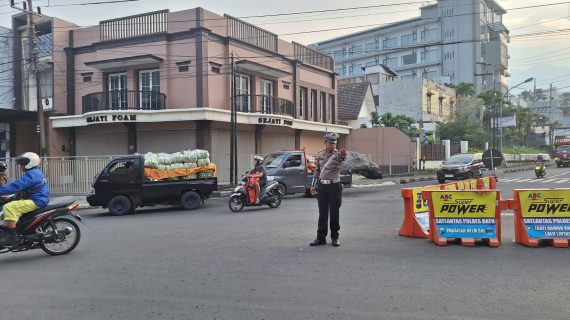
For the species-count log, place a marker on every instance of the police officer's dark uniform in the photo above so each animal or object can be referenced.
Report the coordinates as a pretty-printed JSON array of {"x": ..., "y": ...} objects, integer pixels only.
[{"x": 327, "y": 182}]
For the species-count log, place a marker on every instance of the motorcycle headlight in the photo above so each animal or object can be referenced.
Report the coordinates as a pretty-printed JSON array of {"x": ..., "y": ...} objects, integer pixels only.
[
  {"x": 556, "y": 159},
  {"x": 270, "y": 178}
]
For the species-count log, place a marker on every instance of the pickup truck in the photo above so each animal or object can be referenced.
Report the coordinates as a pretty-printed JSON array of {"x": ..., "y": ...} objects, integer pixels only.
[
  {"x": 121, "y": 187},
  {"x": 293, "y": 172}
]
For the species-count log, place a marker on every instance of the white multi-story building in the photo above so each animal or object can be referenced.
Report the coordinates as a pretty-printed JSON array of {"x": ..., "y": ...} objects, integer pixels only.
[{"x": 452, "y": 41}]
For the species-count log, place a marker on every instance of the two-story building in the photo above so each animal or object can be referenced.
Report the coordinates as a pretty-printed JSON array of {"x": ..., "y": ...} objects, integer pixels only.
[{"x": 167, "y": 81}]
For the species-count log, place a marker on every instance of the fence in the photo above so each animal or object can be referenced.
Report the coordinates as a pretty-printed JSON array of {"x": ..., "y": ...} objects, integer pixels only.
[
  {"x": 436, "y": 151},
  {"x": 393, "y": 163}
]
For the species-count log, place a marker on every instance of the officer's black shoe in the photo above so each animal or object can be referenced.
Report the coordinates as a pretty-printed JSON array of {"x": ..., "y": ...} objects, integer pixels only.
[
  {"x": 8, "y": 239},
  {"x": 335, "y": 243},
  {"x": 318, "y": 242}
]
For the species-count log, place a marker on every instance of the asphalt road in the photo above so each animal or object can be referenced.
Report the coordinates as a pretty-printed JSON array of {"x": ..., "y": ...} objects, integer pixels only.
[{"x": 165, "y": 263}]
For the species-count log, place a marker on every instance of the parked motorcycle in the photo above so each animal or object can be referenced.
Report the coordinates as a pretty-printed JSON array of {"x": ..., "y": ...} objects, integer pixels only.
[
  {"x": 243, "y": 195},
  {"x": 539, "y": 170},
  {"x": 49, "y": 228}
]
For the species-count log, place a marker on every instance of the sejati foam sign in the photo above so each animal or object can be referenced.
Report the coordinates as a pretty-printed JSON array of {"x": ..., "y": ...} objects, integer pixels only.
[
  {"x": 546, "y": 213},
  {"x": 466, "y": 214}
]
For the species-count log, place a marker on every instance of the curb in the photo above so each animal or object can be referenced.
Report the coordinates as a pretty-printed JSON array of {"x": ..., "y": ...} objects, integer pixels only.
[{"x": 416, "y": 179}]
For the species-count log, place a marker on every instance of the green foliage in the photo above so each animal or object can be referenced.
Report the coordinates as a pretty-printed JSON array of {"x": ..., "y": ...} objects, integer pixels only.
[
  {"x": 524, "y": 150},
  {"x": 400, "y": 121},
  {"x": 363, "y": 125},
  {"x": 565, "y": 100}
]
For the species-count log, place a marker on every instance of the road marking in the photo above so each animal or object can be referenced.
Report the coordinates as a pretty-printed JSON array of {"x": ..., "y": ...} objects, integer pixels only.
[
  {"x": 389, "y": 183},
  {"x": 507, "y": 180},
  {"x": 562, "y": 181},
  {"x": 523, "y": 180},
  {"x": 548, "y": 180}
]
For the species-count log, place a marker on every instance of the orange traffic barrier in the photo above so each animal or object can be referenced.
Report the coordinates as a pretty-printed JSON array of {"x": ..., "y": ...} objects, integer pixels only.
[
  {"x": 465, "y": 216},
  {"x": 415, "y": 223},
  {"x": 541, "y": 216}
]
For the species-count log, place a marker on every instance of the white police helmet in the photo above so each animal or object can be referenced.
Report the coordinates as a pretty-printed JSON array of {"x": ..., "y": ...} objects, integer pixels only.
[
  {"x": 29, "y": 160},
  {"x": 258, "y": 158}
]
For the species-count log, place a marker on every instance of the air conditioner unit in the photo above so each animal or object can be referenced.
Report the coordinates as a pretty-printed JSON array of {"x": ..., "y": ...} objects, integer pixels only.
[{"x": 47, "y": 103}]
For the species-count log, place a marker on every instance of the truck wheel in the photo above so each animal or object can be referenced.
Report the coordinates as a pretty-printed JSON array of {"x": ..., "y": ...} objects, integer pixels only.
[
  {"x": 191, "y": 200},
  {"x": 558, "y": 165},
  {"x": 120, "y": 205}
]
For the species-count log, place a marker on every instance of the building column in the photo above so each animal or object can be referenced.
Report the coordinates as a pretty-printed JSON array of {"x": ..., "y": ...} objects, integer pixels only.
[
  {"x": 72, "y": 138},
  {"x": 298, "y": 133},
  {"x": 204, "y": 134},
  {"x": 131, "y": 138},
  {"x": 258, "y": 138}
]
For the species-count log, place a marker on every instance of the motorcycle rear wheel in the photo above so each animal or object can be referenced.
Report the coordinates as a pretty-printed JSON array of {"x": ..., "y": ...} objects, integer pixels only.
[
  {"x": 63, "y": 243},
  {"x": 236, "y": 203}
]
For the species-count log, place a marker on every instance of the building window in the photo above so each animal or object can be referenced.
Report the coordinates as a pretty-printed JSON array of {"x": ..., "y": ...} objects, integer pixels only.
[
  {"x": 183, "y": 66},
  {"x": 302, "y": 102},
  {"x": 330, "y": 107},
  {"x": 355, "y": 69},
  {"x": 341, "y": 71},
  {"x": 391, "y": 62},
  {"x": 357, "y": 50},
  {"x": 390, "y": 43},
  {"x": 339, "y": 54},
  {"x": 286, "y": 85},
  {"x": 441, "y": 106},
  {"x": 215, "y": 67},
  {"x": 428, "y": 56},
  {"x": 243, "y": 89},
  {"x": 428, "y": 102},
  {"x": 314, "y": 108},
  {"x": 371, "y": 47},
  {"x": 409, "y": 39},
  {"x": 429, "y": 35},
  {"x": 408, "y": 59},
  {"x": 87, "y": 76},
  {"x": 149, "y": 84}
]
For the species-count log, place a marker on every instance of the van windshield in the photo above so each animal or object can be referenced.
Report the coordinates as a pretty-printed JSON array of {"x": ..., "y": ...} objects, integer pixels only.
[{"x": 274, "y": 160}]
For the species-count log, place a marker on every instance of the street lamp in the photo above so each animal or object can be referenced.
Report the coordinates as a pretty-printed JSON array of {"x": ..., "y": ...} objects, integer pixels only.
[{"x": 501, "y": 117}]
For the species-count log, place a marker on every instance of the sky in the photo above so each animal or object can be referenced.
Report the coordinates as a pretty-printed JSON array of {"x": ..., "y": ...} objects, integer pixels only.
[{"x": 540, "y": 29}]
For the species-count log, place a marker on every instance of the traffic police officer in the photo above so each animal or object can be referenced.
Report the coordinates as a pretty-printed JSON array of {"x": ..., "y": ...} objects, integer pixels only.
[{"x": 327, "y": 181}]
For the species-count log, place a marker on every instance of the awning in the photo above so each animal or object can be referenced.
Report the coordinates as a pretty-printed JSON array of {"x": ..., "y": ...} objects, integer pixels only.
[
  {"x": 246, "y": 65},
  {"x": 124, "y": 62},
  {"x": 11, "y": 115}
]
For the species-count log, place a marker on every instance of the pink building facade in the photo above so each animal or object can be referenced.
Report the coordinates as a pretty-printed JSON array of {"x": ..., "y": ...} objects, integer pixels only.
[{"x": 162, "y": 82}]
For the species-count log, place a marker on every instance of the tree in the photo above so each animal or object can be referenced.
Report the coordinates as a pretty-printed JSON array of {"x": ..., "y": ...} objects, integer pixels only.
[
  {"x": 466, "y": 124},
  {"x": 400, "y": 121},
  {"x": 465, "y": 89}
]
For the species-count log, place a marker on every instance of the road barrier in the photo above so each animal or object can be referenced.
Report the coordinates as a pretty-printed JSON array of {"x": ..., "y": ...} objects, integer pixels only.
[
  {"x": 465, "y": 216},
  {"x": 541, "y": 216},
  {"x": 416, "y": 208},
  {"x": 471, "y": 209}
]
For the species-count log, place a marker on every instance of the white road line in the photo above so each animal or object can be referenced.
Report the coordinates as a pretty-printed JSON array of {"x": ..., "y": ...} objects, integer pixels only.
[
  {"x": 562, "y": 181},
  {"x": 506, "y": 180},
  {"x": 547, "y": 180},
  {"x": 523, "y": 180}
]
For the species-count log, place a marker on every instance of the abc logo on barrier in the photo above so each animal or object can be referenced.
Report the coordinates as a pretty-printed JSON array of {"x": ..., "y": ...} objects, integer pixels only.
[{"x": 546, "y": 214}]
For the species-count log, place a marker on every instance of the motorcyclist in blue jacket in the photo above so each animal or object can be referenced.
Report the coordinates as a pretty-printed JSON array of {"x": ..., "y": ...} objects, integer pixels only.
[{"x": 35, "y": 195}]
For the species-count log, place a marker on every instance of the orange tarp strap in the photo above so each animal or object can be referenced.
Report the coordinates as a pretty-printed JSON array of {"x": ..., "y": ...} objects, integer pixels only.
[{"x": 169, "y": 174}]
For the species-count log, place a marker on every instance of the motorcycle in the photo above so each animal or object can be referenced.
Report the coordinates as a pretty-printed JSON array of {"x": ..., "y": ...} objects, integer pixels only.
[
  {"x": 539, "y": 170},
  {"x": 244, "y": 195},
  {"x": 49, "y": 228}
]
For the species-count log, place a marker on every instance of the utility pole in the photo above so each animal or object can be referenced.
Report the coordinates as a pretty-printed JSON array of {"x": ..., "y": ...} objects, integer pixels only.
[
  {"x": 232, "y": 123},
  {"x": 33, "y": 60}
]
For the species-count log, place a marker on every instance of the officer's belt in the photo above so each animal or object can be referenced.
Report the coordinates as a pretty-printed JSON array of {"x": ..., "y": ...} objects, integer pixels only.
[{"x": 329, "y": 181}]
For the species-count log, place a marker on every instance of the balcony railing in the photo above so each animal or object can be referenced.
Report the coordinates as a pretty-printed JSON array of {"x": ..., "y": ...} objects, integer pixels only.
[
  {"x": 124, "y": 100},
  {"x": 264, "y": 104}
]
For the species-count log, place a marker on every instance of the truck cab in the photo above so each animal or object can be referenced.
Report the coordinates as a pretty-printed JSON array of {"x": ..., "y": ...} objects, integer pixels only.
[{"x": 293, "y": 171}]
